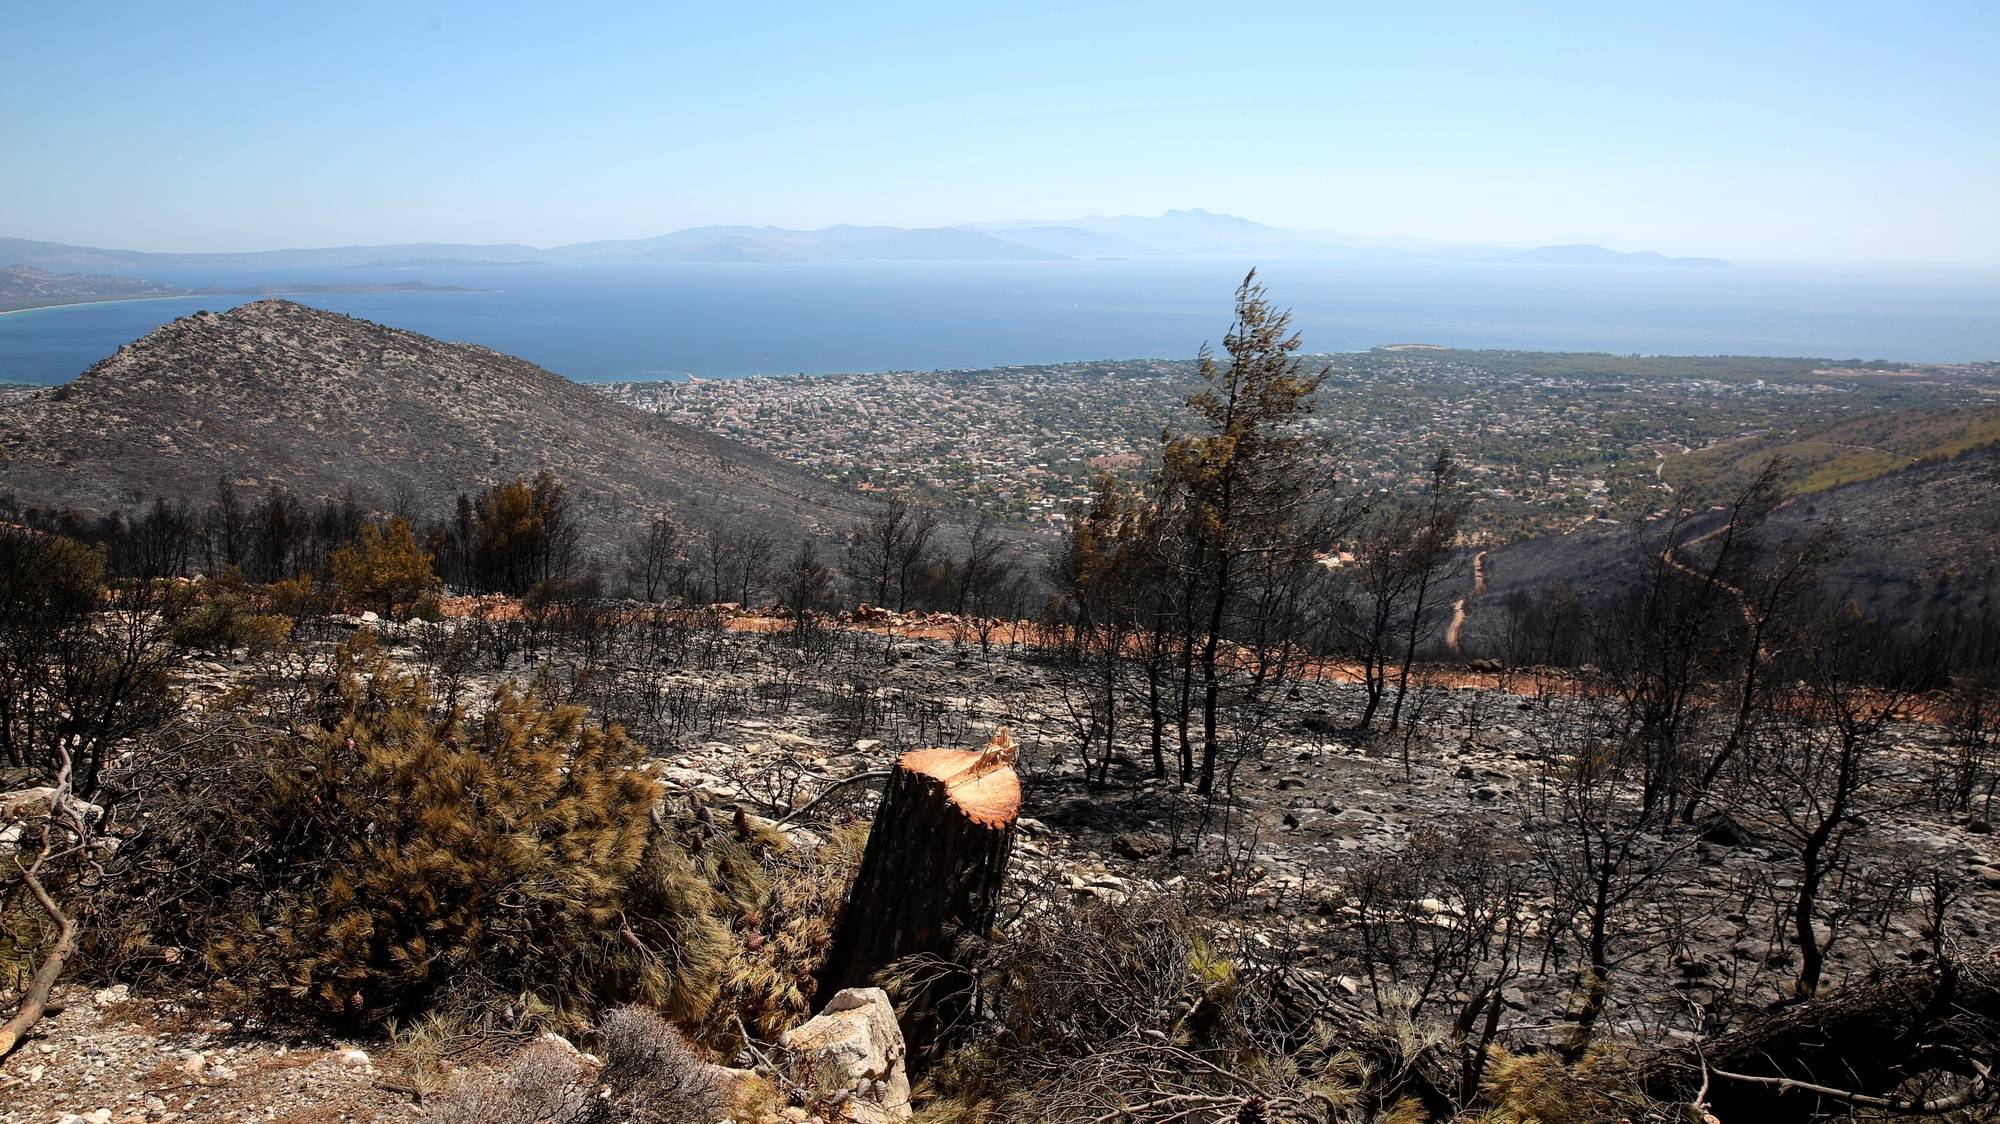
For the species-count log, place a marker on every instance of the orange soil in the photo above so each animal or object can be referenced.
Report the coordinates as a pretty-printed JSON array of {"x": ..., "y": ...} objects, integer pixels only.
[{"x": 1522, "y": 682}]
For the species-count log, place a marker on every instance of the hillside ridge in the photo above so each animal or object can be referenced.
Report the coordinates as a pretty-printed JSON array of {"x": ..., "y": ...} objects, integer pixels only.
[{"x": 277, "y": 394}]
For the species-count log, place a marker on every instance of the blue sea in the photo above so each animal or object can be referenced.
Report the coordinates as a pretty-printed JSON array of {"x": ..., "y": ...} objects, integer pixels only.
[{"x": 665, "y": 321}]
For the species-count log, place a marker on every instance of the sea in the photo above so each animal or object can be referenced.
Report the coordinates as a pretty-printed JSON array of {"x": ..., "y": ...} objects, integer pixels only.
[{"x": 669, "y": 321}]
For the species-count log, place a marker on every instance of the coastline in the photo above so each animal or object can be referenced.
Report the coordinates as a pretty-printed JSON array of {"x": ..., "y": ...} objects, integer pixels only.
[
  {"x": 194, "y": 294},
  {"x": 85, "y": 301}
]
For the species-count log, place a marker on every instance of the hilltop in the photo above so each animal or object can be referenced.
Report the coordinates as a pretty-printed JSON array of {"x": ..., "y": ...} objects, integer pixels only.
[
  {"x": 1848, "y": 452},
  {"x": 273, "y": 394}
]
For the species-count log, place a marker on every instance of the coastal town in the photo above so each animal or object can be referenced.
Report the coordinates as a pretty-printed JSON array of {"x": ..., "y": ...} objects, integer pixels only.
[{"x": 1546, "y": 439}]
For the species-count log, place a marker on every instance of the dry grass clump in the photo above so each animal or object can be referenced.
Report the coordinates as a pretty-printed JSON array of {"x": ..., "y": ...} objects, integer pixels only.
[
  {"x": 771, "y": 980},
  {"x": 650, "y": 1075},
  {"x": 653, "y": 1075},
  {"x": 1541, "y": 1088},
  {"x": 1128, "y": 1011},
  {"x": 543, "y": 1084}
]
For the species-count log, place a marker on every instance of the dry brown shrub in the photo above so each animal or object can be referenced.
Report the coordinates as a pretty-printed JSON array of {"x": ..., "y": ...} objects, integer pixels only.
[{"x": 650, "y": 1075}]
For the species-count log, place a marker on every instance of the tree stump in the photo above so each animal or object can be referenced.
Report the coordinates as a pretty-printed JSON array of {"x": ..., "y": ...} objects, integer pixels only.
[{"x": 932, "y": 872}]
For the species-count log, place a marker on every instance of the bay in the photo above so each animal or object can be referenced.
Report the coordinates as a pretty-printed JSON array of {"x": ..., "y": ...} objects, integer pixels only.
[{"x": 648, "y": 321}]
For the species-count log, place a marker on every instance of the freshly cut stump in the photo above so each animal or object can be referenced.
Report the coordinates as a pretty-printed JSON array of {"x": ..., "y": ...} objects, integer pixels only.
[{"x": 935, "y": 862}]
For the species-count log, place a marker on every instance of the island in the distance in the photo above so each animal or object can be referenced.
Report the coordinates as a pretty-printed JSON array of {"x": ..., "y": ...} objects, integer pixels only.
[
  {"x": 1587, "y": 254},
  {"x": 1193, "y": 233},
  {"x": 24, "y": 287}
]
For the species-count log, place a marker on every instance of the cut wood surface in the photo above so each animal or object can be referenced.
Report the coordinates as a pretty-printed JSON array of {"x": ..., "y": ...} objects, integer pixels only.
[{"x": 980, "y": 783}]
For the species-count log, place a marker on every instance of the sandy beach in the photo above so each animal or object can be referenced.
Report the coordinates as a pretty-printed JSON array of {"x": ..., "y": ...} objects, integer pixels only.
[{"x": 95, "y": 300}]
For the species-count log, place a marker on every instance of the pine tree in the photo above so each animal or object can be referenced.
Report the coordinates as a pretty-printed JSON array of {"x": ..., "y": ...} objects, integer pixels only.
[
  {"x": 1245, "y": 480},
  {"x": 383, "y": 569}
]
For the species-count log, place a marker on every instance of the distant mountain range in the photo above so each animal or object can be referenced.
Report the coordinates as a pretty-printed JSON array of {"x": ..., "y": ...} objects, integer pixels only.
[
  {"x": 1598, "y": 255},
  {"x": 1175, "y": 234}
]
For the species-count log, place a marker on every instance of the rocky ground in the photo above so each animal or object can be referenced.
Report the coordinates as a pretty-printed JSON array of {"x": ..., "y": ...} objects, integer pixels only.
[
  {"x": 1304, "y": 802},
  {"x": 745, "y": 719},
  {"x": 109, "y": 1058}
]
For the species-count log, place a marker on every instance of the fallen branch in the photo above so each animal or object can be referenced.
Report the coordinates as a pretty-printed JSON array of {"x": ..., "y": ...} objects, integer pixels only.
[
  {"x": 765, "y": 1063},
  {"x": 415, "y": 1094},
  {"x": 1856, "y": 1046},
  {"x": 830, "y": 790},
  {"x": 1973, "y": 1094},
  {"x": 35, "y": 1001}
]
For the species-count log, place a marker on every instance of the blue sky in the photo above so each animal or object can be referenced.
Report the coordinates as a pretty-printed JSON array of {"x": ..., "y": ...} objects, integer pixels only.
[{"x": 1743, "y": 130}]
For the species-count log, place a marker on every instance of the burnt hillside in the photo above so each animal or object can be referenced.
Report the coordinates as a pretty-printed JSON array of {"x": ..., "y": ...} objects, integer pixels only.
[{"x": 1921, "y": 543}]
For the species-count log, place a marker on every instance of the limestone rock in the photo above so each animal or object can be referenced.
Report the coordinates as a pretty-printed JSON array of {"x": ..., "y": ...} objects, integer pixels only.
[
  {"x": 856, "y": 1046},
  {"x": 20, "y": 808}
]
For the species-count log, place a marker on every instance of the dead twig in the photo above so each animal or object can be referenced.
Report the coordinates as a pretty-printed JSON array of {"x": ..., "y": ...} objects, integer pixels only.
[
  {"x": 1973, "y": 1094},
  {"x": 830, "y": 790}
]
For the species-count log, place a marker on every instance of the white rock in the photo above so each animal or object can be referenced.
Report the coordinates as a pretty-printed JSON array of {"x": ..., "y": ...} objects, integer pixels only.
[
  {"x": 354, "y": 1059},
  {"x": 855, "y": 1045},
  {"x": 26, "y": 804}
]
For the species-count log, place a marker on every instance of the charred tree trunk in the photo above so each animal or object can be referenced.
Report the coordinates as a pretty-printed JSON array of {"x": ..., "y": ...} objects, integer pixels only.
[{"x": 932, "y": 873}]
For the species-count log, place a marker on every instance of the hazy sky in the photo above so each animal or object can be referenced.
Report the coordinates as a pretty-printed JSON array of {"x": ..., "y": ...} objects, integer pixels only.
[{"x": 1743, "y": 130}]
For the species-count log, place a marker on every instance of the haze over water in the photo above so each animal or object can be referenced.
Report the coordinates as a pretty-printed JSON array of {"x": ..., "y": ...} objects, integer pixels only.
[{"x": 667, "y": 320}]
